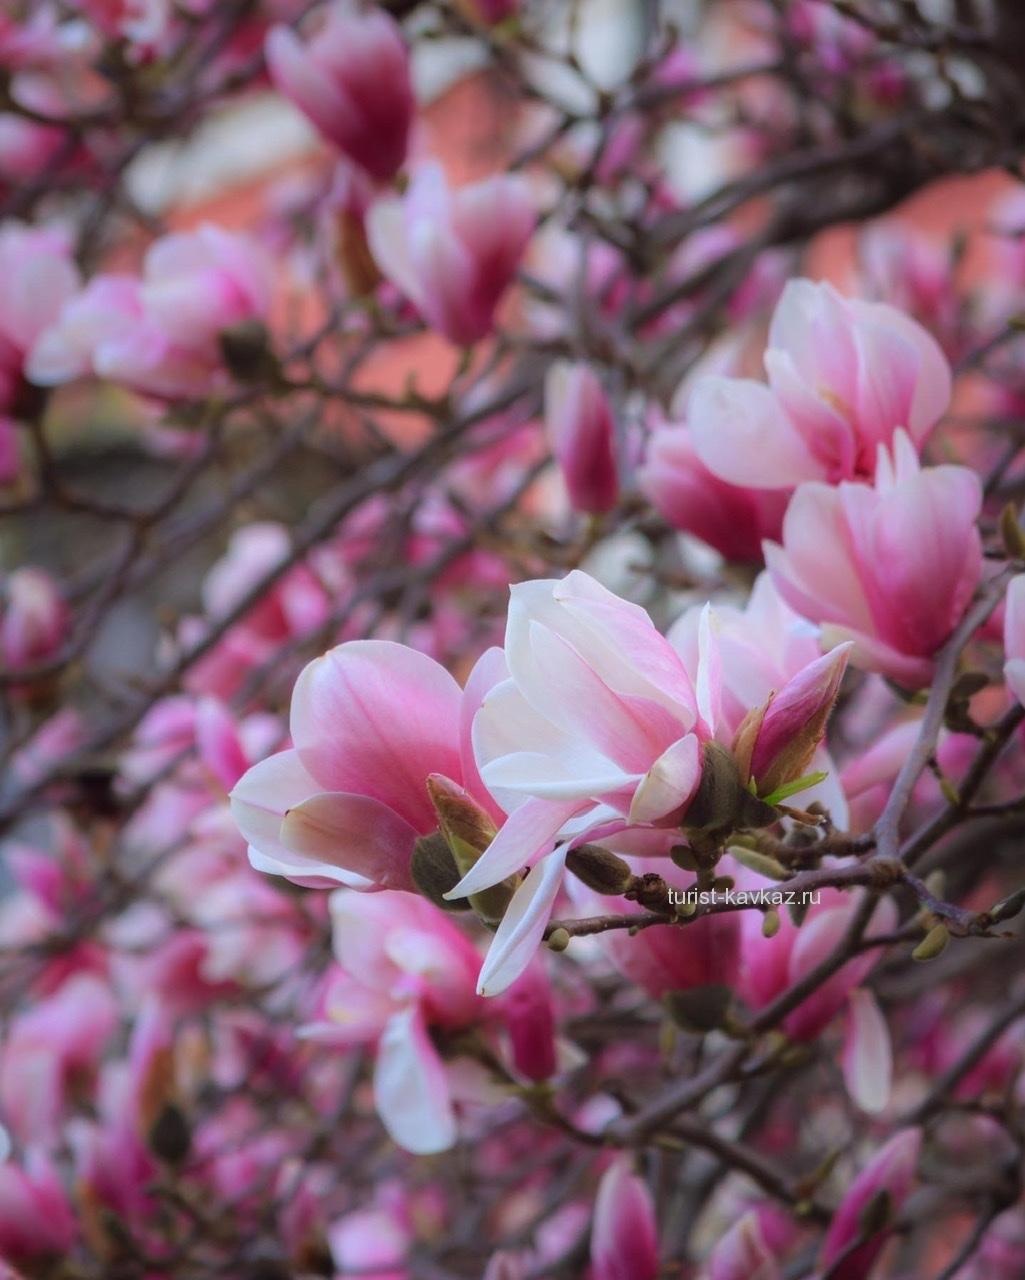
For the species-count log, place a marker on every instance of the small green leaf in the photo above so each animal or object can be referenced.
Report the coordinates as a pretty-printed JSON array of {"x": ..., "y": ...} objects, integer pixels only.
[{"x": 791, "y": 788}]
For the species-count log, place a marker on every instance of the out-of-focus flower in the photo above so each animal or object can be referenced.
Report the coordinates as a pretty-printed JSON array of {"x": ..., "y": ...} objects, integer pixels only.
[
  {"x": 33, "y": 621},
  {"x": 1014, "y": 637},
  {"x": 370, "y": 722},
  {"x": 624, "y": 1237},
  {"x": 884, "y": 1183},
  {"x": 351, "y": 78},
  {"x": 37, "y": 1223},
  {"x": 844, "y": 376},
  {"x": 453, "y": 253},
  {"x": 160, "y": 335},
  {"x": 864, "y": 562},
  {"x": 582, "y": 431},
  {"x": 731, "y": 518},
  {"x": 752, "y": 1247}
]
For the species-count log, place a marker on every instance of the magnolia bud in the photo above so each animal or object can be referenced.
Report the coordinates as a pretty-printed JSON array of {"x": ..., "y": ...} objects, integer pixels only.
[
  {"x": 468, "y": 830},
  {"x": 599, "y": 869},
  {"x": 775, "y": 743},
  {"x": 434, "y": 872},
  {"x": 933, "y": 944},
  {"x": 581, "y": 431},
  {"x": 722, "y": 803}
]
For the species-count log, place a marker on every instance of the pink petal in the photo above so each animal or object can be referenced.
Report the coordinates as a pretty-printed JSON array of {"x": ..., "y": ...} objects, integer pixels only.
[
  {"x": 356, "y": 833},
  {"x": 411, "y": 1090},
  {"x": 519, "y": 935},
  {"x": 867, "y": 1054}
]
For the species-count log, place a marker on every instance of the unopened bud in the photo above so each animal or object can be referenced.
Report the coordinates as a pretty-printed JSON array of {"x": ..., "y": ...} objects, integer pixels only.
[
  {"x": 468, "y": 830},
  {"x": 557, "y": 940},
  {"x": 770, "y": 924},
  {"x": 775, "y": 744},
  {"x": 722, "y": 802},
  {"x": 434, "y": 872},
  {"x": 933, "y": 944},
  {"x": 1007, "y": 908},
  {"x": 762, "y": 863},
  {"x": 600, "y": 870}
]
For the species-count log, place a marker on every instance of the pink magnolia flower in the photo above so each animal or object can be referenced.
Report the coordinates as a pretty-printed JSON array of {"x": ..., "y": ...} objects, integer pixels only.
[
  {"x": 624, "y": 1238},
  {"x": 370, "y": 721},
  {"x": 50, "y": 1047},
  {"x": 865, "y": 562},
  {"x": 771, "y": 966},
  {"x": 33, "y": 621},
  {"x": 160, "y": 335},
  {"x": 1014, "y": 637},
  {"x": 752, "y": 1247},
  {"x": 597, "y": 726},
  {"x": 731, "y": 518},
  {"x": 666, "y": 958},
  {"x": 37, "y": 1222},
  {"x": 891, "y": 1170},
  {"x": 351, "y": 78},
  {"x": 453, "y": 253},
  {"x": 404, "y": 967},
  {"x": 39, "y": 277},
  {"x": 582, "y": 433},
  {"x": 844, "y": 375}
]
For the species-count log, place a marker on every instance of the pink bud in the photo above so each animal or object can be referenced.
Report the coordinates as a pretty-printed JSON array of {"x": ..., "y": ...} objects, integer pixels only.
[
  {"x": 873, "y": 1198},
  {"x": 776, "y": 743},
  {"x": 526, "y": 1009},
  {"x": 624, "y": 1238},
  {"x": 351, "y": 78},
  {"x": 582, "y": 433},
  {"x": 34, "y": 619}
]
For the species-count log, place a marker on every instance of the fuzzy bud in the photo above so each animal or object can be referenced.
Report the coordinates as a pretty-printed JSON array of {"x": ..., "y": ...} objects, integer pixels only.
[
  {"x": 599, "y": 869},
  {"x": 722, "y": 803},
  {"x": 468, "y": 830}
]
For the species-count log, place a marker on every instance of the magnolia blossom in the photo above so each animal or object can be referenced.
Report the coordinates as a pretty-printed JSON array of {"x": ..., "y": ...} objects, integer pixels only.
[
  {"x": 770, "y": 966},
  {"x": 732, "y": 518},
  {"x": 864, "y": 561},
  {"x": 583, "y": 436},
  {"x": 351, "y": 78},
  {"x": 370, "y": 722},
  {"x": 160, "y": 334},
  {"x": 34, "y": 618},
  {"x": 404, "y": 968},
  {"x": 891, "y": 1170},
  {"x": 1014, "y": 637},
  {"x": 453, "y": 253},
  {"x": 598, "y": 730},
  {"x": 844, "y": 375}
]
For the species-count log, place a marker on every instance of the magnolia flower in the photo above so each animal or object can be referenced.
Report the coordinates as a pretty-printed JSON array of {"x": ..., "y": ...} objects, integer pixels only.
[
  {"x": 599, "y": 729},
  {"x": 891, "y": 1171},
  {"x": 453, "y": 253},
  {"x": 404, "y": 969},
  {"x": 1014, "y": 637},
  {"x": 351, "y": 78},
  {"x": 582, "y": 432},
  {"x": 37, "y": 1221},
  {"x": 844, "y": 375},
  {"x": 731, "y": 518},
  {"x": 160, "y": 334},
  {"x": 34, "y": 618},
  {"x": 864, "y": 561},
  {"x": 370, "y": 722}
]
